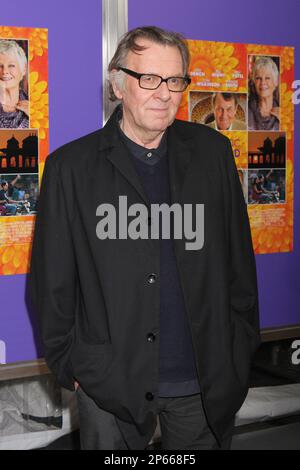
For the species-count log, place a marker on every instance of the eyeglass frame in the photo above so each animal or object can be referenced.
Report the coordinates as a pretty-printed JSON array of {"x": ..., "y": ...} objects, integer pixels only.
[{"x": 139, "y": 75}]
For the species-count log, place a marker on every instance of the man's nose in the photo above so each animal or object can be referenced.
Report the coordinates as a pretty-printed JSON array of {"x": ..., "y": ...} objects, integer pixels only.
[{"x": 163, "y": 92}]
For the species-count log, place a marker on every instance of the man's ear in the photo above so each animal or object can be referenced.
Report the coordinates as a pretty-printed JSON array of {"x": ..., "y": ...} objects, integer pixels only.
[{"x": 115, "y": 83}]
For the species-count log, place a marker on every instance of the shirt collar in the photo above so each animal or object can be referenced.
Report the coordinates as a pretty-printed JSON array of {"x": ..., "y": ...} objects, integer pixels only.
[
  {"x": 148, "y": 156},
  {"x": 217, "y": 129}
]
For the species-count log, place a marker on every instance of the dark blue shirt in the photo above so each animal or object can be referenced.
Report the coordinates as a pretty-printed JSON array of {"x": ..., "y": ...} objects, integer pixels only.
[{"x": 177, "y": 368}]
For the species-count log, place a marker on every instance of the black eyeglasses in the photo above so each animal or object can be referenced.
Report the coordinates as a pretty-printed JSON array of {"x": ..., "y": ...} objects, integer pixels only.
[{"x": 152, "y": 82}]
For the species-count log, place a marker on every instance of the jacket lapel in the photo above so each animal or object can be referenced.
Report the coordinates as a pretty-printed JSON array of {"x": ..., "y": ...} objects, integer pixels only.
[
  {"x": 118, "y": 154},
  {"x": 179, "y": 154}
]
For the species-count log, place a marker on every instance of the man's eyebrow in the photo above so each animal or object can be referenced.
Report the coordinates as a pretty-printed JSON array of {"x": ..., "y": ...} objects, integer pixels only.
[{"x": 179, "y": 74}]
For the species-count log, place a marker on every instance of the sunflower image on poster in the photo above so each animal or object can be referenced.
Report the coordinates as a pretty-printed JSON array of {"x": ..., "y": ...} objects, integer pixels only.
[
  {"x": 24, "y": 140},
  {"x": 245, "y": 92}
]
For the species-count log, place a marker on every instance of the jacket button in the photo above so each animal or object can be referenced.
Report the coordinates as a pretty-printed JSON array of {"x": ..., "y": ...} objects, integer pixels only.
[
  {"x": 152, "y": 278},
  {"x": 151, "y": 337},
  {"x": 149, "y": 396}
]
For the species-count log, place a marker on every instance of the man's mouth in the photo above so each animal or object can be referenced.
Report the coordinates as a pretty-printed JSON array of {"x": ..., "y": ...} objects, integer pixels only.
[
  {"x": 6, "y": 79},
  {"x": 159, "y": 109}
]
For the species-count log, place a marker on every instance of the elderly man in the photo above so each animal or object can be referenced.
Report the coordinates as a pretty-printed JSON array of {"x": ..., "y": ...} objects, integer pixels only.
[
  {"x": 225, "y": 108},
  {"x": 143, "y": 327}
]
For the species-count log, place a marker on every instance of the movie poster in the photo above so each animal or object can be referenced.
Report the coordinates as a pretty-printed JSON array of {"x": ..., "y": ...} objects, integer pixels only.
[
  {"x": 245, "y": 92},
  {"x": 24, "y": 140}
]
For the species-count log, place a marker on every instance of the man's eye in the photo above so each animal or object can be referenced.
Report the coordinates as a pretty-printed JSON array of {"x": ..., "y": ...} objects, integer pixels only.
[{"x": 149, "y": 78}]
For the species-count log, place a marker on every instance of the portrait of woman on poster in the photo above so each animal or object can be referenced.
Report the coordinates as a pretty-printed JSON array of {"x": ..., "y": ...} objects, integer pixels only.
[
  {"x": 14, "y": 104},
  {"x": 263, "y": 103}
]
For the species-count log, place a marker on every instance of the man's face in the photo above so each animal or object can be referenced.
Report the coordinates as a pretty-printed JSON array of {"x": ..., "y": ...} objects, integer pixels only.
[
  {"x": 224, "y": 112},
  {"x": 149, "y": 112},
  {"x": 5, "y": 187}
]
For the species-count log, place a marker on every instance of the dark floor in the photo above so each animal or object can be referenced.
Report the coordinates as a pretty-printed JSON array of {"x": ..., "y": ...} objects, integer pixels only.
[
  {"x": 282, "y": 437},
  {"x": 272, "y": 437}
]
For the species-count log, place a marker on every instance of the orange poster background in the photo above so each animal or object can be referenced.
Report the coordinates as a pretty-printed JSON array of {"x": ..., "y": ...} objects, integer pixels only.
[
  {"x": 220, "y": 66},
  {"x": 16, "y": 231}
]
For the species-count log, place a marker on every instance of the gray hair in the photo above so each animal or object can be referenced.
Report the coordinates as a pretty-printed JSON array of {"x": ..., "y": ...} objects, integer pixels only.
[
  {"x": 266, "y": 62},
  {"x": 11, "y": 47},
  {"x": 129, "y": 43}
]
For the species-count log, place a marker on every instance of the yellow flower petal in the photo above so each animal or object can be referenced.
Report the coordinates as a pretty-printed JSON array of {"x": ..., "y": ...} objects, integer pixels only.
[
  {"x": 35, "y": 96},
  {"x": 41, "y": 86},
  {"x": 39, "y": 51},
  {"x": 34, "y": 124},
  {"x": 33, "y": 78},
  {"x": 42, "y": 134}
]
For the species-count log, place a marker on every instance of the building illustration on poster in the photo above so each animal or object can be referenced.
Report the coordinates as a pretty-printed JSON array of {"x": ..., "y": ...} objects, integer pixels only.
[
  {"x": 245, "y": 92},
  {"x": 24, "y": 140}
]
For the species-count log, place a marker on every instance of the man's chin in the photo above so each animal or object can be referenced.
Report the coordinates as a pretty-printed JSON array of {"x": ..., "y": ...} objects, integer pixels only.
[
  {"x": 160, "y": 124},
  {"x": 222, "y": 127}
]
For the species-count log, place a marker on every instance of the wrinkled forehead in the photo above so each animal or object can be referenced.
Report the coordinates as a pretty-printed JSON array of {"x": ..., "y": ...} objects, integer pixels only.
[
  {"x": 155, "y": 58},
  {"x": 225, "y": 103}
]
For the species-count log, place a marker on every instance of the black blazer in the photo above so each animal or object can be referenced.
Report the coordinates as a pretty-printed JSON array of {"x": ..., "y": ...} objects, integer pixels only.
[{"x": 93, "y": 297}]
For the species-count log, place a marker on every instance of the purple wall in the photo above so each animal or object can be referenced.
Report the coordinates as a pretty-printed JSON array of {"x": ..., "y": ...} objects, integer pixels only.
[
  {"x": 273, "y": 22},
  {"x": 75, "y": 109},
  {"x": 75, "y": 78}
]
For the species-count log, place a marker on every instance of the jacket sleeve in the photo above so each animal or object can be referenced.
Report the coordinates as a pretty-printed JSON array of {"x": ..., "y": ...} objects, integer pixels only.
[
  {"x": 242, "y": 267},
  {"x": 52, "y": 276}
]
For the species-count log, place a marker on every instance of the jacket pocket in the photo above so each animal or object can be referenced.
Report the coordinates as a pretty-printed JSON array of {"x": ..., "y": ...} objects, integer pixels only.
[{"x": 91, "y": 362}]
